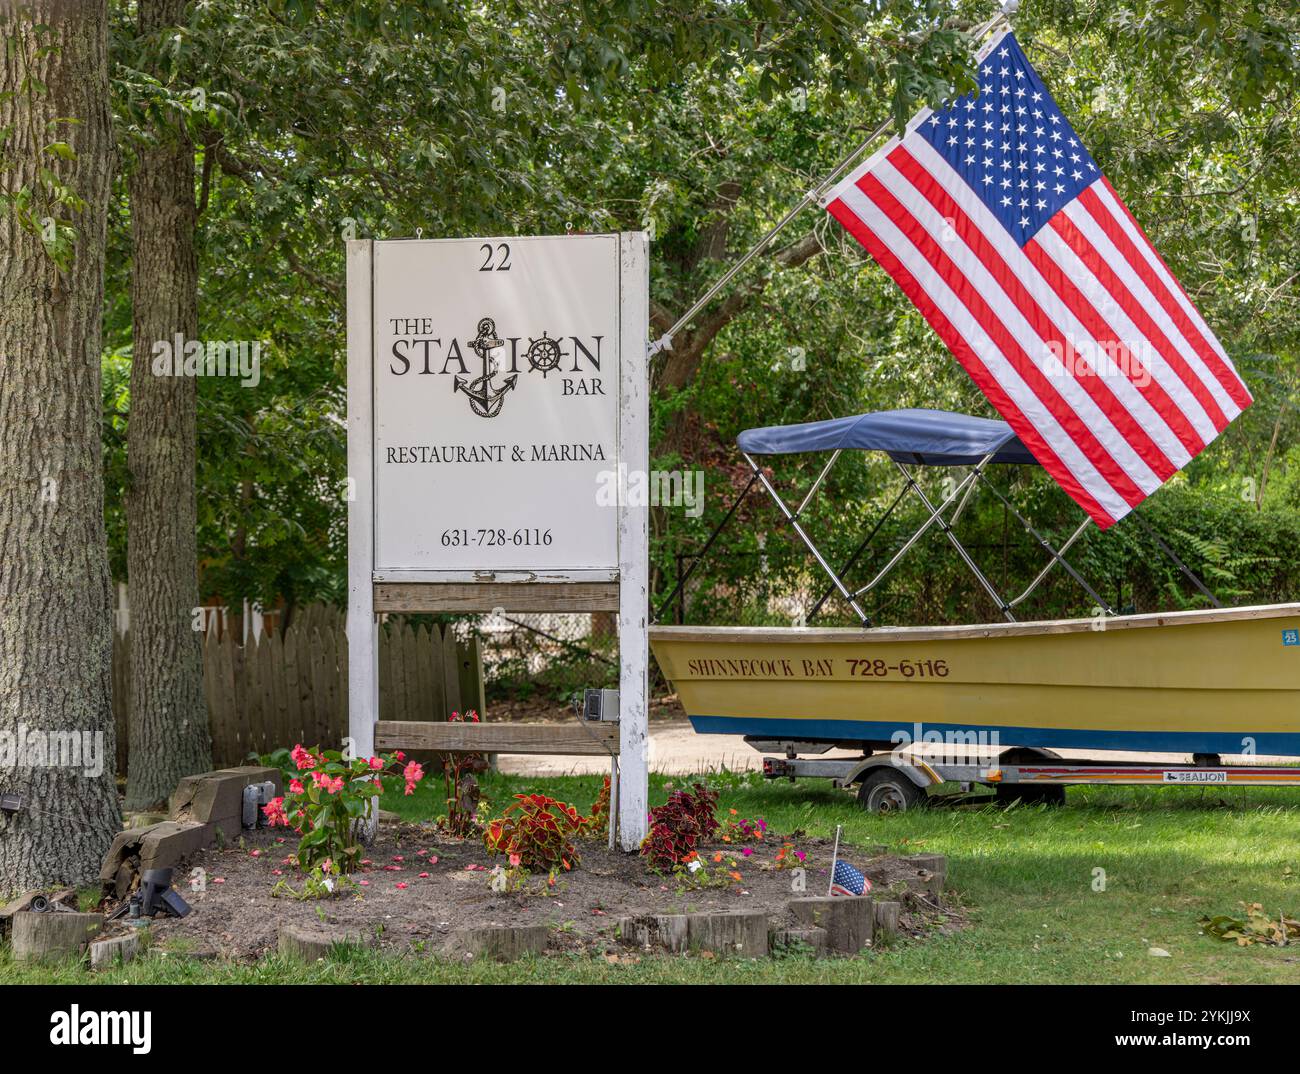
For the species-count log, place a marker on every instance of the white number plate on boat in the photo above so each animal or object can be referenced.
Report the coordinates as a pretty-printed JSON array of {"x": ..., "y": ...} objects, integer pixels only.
[{"x": 1196, "y": 777}]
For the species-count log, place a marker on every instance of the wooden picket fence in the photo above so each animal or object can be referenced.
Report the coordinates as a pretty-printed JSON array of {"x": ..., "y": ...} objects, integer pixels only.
[{"x": 293, "y": 686}]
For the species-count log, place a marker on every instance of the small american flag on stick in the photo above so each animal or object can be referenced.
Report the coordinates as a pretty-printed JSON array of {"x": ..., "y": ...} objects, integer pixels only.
[
  {"x": 845, "y": 879},
  {"x": 997, "y": 223}
]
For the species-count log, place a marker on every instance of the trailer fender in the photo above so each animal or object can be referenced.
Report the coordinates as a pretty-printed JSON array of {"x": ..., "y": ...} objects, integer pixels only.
[{"x": 914, "y": 768}]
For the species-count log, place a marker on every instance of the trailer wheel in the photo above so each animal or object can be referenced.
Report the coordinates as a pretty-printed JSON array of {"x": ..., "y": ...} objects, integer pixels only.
[
  {"x": 883, "y": 790},
  {"x": 1030, "y": 794}
]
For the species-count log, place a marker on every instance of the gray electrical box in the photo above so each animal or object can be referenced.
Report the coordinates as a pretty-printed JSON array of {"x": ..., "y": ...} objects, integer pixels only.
[
  {"x": 600, "y": 705},
  {"x": 256, "y": 795}
]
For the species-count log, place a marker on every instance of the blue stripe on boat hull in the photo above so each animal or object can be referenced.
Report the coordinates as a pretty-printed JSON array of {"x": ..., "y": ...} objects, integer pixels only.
[{"x": 1266, "y": 744}]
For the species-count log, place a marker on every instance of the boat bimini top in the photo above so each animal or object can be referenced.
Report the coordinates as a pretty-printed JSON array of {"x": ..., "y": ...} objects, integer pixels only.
[
  {"x": 910, "y": 438},
  {"x": 923, "y": 437}
]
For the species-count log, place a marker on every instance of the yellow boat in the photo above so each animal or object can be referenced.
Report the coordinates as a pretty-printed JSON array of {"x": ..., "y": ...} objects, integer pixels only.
[
  {"x": 1214, "y": 681},
  {"x": 1208, "y": 681}
]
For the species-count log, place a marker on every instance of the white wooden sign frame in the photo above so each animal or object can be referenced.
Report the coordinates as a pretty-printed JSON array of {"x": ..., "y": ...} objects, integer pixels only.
[{"x": 370, "y": 591}]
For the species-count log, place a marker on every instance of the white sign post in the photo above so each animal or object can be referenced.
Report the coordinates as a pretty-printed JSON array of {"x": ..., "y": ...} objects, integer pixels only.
[{"x": 497, "y": 399}]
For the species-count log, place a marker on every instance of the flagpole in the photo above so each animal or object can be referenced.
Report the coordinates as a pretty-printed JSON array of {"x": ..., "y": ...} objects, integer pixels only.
[
  {"x": 835, "y": 856},
  {"x": 665, "y": 341}
]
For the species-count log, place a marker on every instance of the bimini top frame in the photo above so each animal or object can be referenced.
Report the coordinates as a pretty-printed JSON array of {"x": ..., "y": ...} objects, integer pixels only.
[{"x": 910, "y": 438}]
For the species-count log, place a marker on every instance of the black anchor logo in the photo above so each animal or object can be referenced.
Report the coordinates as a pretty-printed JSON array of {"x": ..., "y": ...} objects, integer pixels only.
[{"x": 485, "y": 398}]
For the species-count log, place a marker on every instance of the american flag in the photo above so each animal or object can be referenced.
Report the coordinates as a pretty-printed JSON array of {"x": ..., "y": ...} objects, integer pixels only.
[
  {"x": 997, "y": 223},
  {"x": 846, "y": 880}
]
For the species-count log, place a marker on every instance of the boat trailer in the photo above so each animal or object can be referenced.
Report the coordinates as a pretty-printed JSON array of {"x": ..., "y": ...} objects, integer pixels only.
[{"x": 894, "y": 781}]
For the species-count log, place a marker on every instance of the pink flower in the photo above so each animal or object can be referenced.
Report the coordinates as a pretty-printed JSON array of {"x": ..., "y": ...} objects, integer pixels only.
[
  {"x": 254, "y": 853},
  {"x": 747, "y": 851},
  {"x": 366, "y": 861},
  {"x": 277, "y": 872},
  {"x": 376, "y": 764},
  {"x": 515, "y": 859},
  {"x": 401, "y": 885},
  {"x": 398, "y": 857},
  {"x": 218, "y": 879},
  {"x": 399, "y": 755},
  {"x": 296, "y": 787},
  {"x": 274, "y": 812},
  {"x": 364, "y": 883},
  {"x": 800, "y": 855},
  {"x": 433, "y": 859},
  {"x": 424, "y": 876},
  {"x": 326, "y": 866},
  {"x": 304, "y": 759},
  {"x": 329, "y": 784},
  {"x": 412, "y": 773}
]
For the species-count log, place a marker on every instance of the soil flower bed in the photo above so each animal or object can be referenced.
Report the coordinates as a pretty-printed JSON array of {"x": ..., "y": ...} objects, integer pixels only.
[{"x": 417, "y": 887}]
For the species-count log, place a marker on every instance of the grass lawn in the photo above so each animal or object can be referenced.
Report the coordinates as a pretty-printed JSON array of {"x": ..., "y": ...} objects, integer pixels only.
[{"x": 1027, "y": 876}]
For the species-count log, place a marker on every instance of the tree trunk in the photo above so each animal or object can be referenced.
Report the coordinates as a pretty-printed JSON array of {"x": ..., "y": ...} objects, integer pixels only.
[
  {"x": 55, "y": 607},
  {"x": 169, "y": 718}
]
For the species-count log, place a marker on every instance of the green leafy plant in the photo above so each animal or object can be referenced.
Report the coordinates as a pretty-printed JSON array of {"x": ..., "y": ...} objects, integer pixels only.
[
  {"x": 694, "y": 872},
  {"x": 507, "y": 879},
  {"x": 678, "y": 826},
  {"x": 329, "y": 800},
  {"x": 789, "y": 857},
  {"x": 321, "y": 882},
  {"x": 281, "y": 759},
  {"x": 739, "y": 830},
  {"x": 536, "y": 833}
]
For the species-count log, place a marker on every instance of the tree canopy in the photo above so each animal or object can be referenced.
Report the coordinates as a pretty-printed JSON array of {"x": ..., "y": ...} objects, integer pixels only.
[{"x": 702, "y": 123}]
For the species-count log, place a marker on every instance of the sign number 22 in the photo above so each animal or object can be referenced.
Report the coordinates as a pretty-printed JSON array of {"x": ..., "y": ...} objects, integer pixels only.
[{"x": 503, "y": 252}]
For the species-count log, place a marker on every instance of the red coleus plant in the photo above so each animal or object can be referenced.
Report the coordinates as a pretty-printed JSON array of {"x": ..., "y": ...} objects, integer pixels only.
[
  {"x": 535, "y": 833},
  {"x": 597, "y": 821},
  {"x": 678, "y": 826}
]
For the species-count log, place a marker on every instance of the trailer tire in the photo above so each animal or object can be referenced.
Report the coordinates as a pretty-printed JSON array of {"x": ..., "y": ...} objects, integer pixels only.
[
  {"x": 1029, "y": 794},
  {"x": 884, "y": 790}
]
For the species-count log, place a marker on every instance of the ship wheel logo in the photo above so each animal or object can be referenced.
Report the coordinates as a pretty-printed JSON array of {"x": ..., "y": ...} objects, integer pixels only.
[
  {"x": 485, "y": 398},
  {"x": 543, "y": 354}
]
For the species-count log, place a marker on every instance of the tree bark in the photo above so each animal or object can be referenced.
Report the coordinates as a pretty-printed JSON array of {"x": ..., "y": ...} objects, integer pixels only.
[
  {"x": 169, "y": 719},
  {"x": 55, "y": 605}
]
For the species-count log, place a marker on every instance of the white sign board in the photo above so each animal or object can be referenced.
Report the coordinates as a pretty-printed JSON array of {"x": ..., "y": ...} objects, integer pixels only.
[
  {"x": 498, "y": 396},
  {"x": 496, "y": 384}
]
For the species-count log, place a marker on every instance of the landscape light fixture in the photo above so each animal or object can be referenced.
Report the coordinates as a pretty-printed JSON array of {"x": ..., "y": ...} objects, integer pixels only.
[{"x": 155, "y": 896}]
